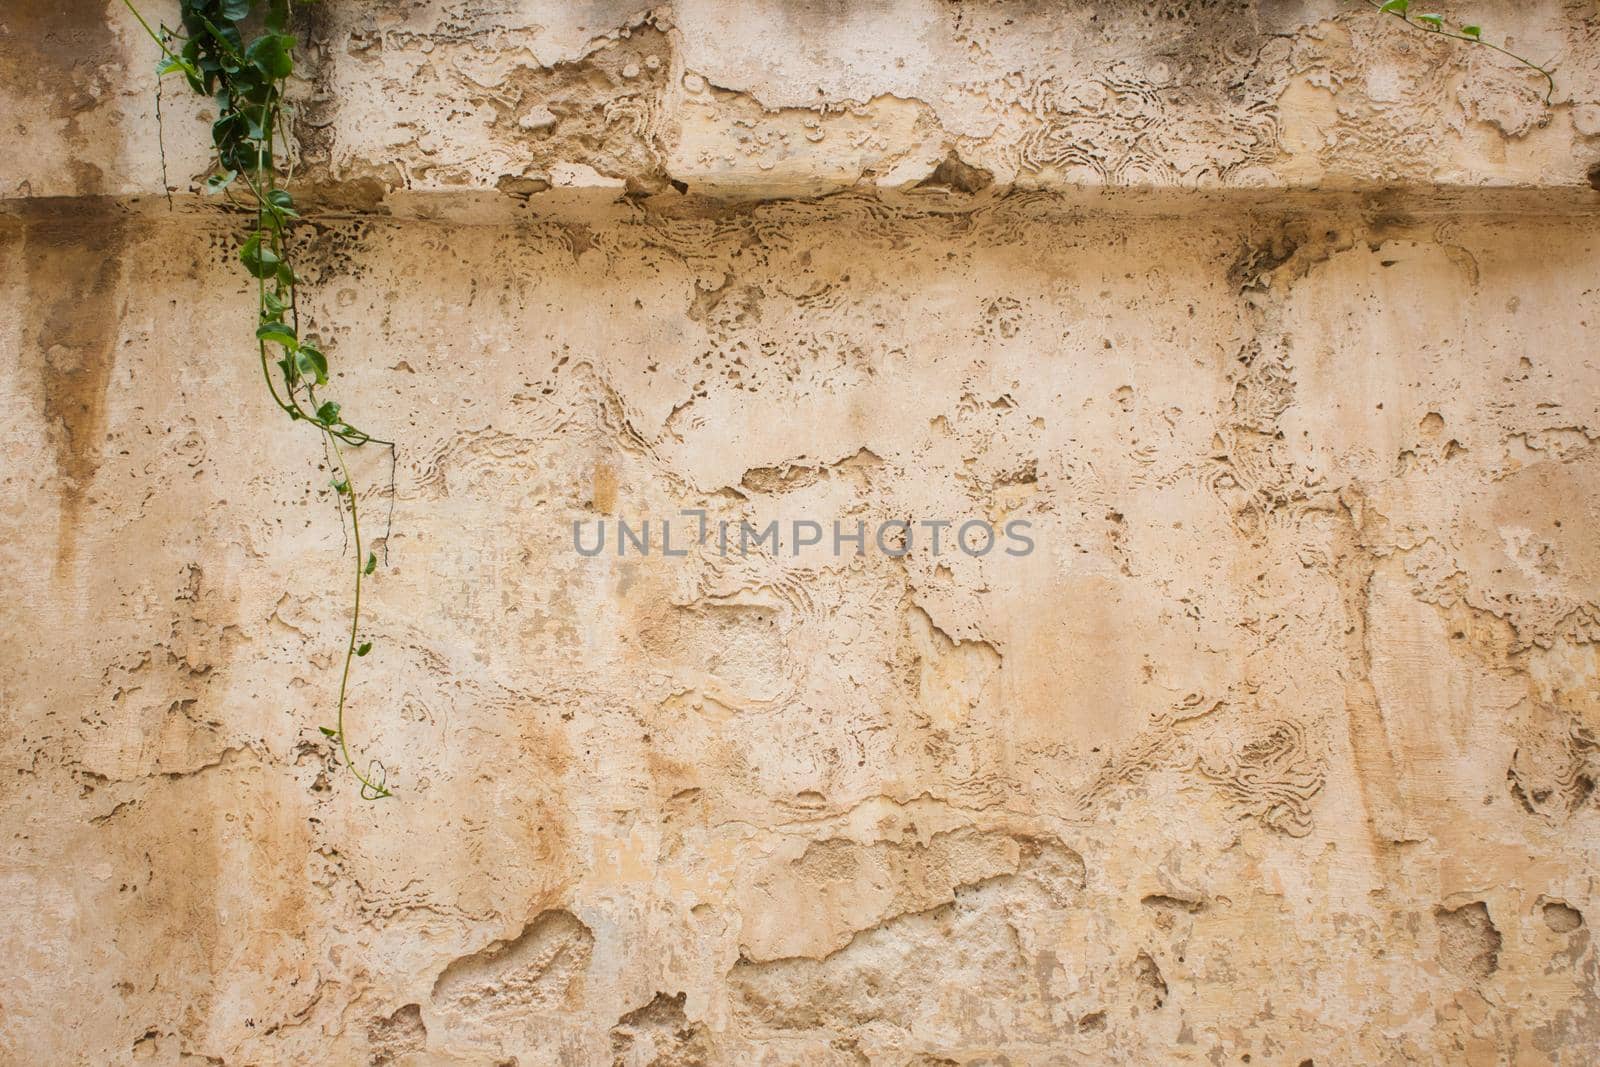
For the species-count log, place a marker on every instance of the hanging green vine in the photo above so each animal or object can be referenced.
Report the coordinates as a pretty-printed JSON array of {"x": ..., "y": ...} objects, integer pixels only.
[
  {"x": 1436, "y": 24},
  {"x": 240, "y": 54}
]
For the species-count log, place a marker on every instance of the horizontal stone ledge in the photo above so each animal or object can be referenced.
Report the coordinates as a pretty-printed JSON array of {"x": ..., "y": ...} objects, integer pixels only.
[
  {"x": 769, "y": 98},
  {"x": 489, "y": 208}
]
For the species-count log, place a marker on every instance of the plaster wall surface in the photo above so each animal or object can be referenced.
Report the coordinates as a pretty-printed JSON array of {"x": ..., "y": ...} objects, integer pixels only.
[{"x": 1276, "y": 324}]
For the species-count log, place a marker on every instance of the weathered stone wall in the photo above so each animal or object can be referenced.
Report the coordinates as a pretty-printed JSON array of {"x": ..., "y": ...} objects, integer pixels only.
[{"x": 1277, "y": 324}]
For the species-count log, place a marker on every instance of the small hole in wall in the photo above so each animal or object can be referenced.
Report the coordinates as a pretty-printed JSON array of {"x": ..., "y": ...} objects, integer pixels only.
[{"x": 1594, "y": 176}]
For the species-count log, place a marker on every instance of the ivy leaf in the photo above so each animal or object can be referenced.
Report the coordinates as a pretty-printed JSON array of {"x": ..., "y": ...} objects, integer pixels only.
[
  {"x": 339, "y": 487},
  {"x": 328, "y": 413},
  {"x": 1396, "y": 7},
  {"x": 175, "y": 64},
  {"x": 311, "y": 363},
  {"x": 228, "y": 128},
  {"x": 260, "y": 262},
  {"x": 270, "y": 54},
  {"x": 1475, "y": 32},
  {"x": 364, "y": 648},
  {"x": 256, "y": 123},
  {"x": 197, "y": 73},
  {"x": 372, "y": 563},
  {"x": 278, "y": 333},
  {"x": 1433, "y": 22},
  {"x": 281, "y": 204},
  {"x": 235, "y": 10},
  {"x": 328, "y": 731},
  {"x": 218, "y": 182},
  {"x": 272, "y": 303}
]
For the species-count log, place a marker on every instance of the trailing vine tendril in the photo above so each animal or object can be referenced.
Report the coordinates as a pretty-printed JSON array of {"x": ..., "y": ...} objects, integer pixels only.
[
  {"x": 1436, "y": 24},
  {"x": 246, "y": 78}
]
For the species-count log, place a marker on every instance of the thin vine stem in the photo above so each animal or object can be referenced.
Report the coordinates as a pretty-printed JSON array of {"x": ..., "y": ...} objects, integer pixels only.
[
  {"x": 247, "y": 81},
  {"x": 370, "y": 789},
  {"x": 160, "y": 42},
  {"x": 1434, "y": 25}
]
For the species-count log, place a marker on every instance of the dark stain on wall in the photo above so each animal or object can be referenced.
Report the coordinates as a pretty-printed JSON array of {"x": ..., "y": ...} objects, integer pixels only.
[
  {"x": 73, "y": 266},
  {"x": 69, "y": 55}
]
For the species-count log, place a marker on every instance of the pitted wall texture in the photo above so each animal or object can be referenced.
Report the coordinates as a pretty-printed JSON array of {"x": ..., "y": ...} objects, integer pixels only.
[{"x": 1280, "y": 748}]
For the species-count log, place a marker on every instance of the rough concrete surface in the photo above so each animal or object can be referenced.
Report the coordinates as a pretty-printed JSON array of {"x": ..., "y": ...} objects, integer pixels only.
[{"x": 1277, "y": 323}]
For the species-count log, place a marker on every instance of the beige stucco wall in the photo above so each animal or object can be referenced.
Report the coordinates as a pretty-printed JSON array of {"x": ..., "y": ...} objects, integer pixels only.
[{"x": 1278, "y": 324}]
